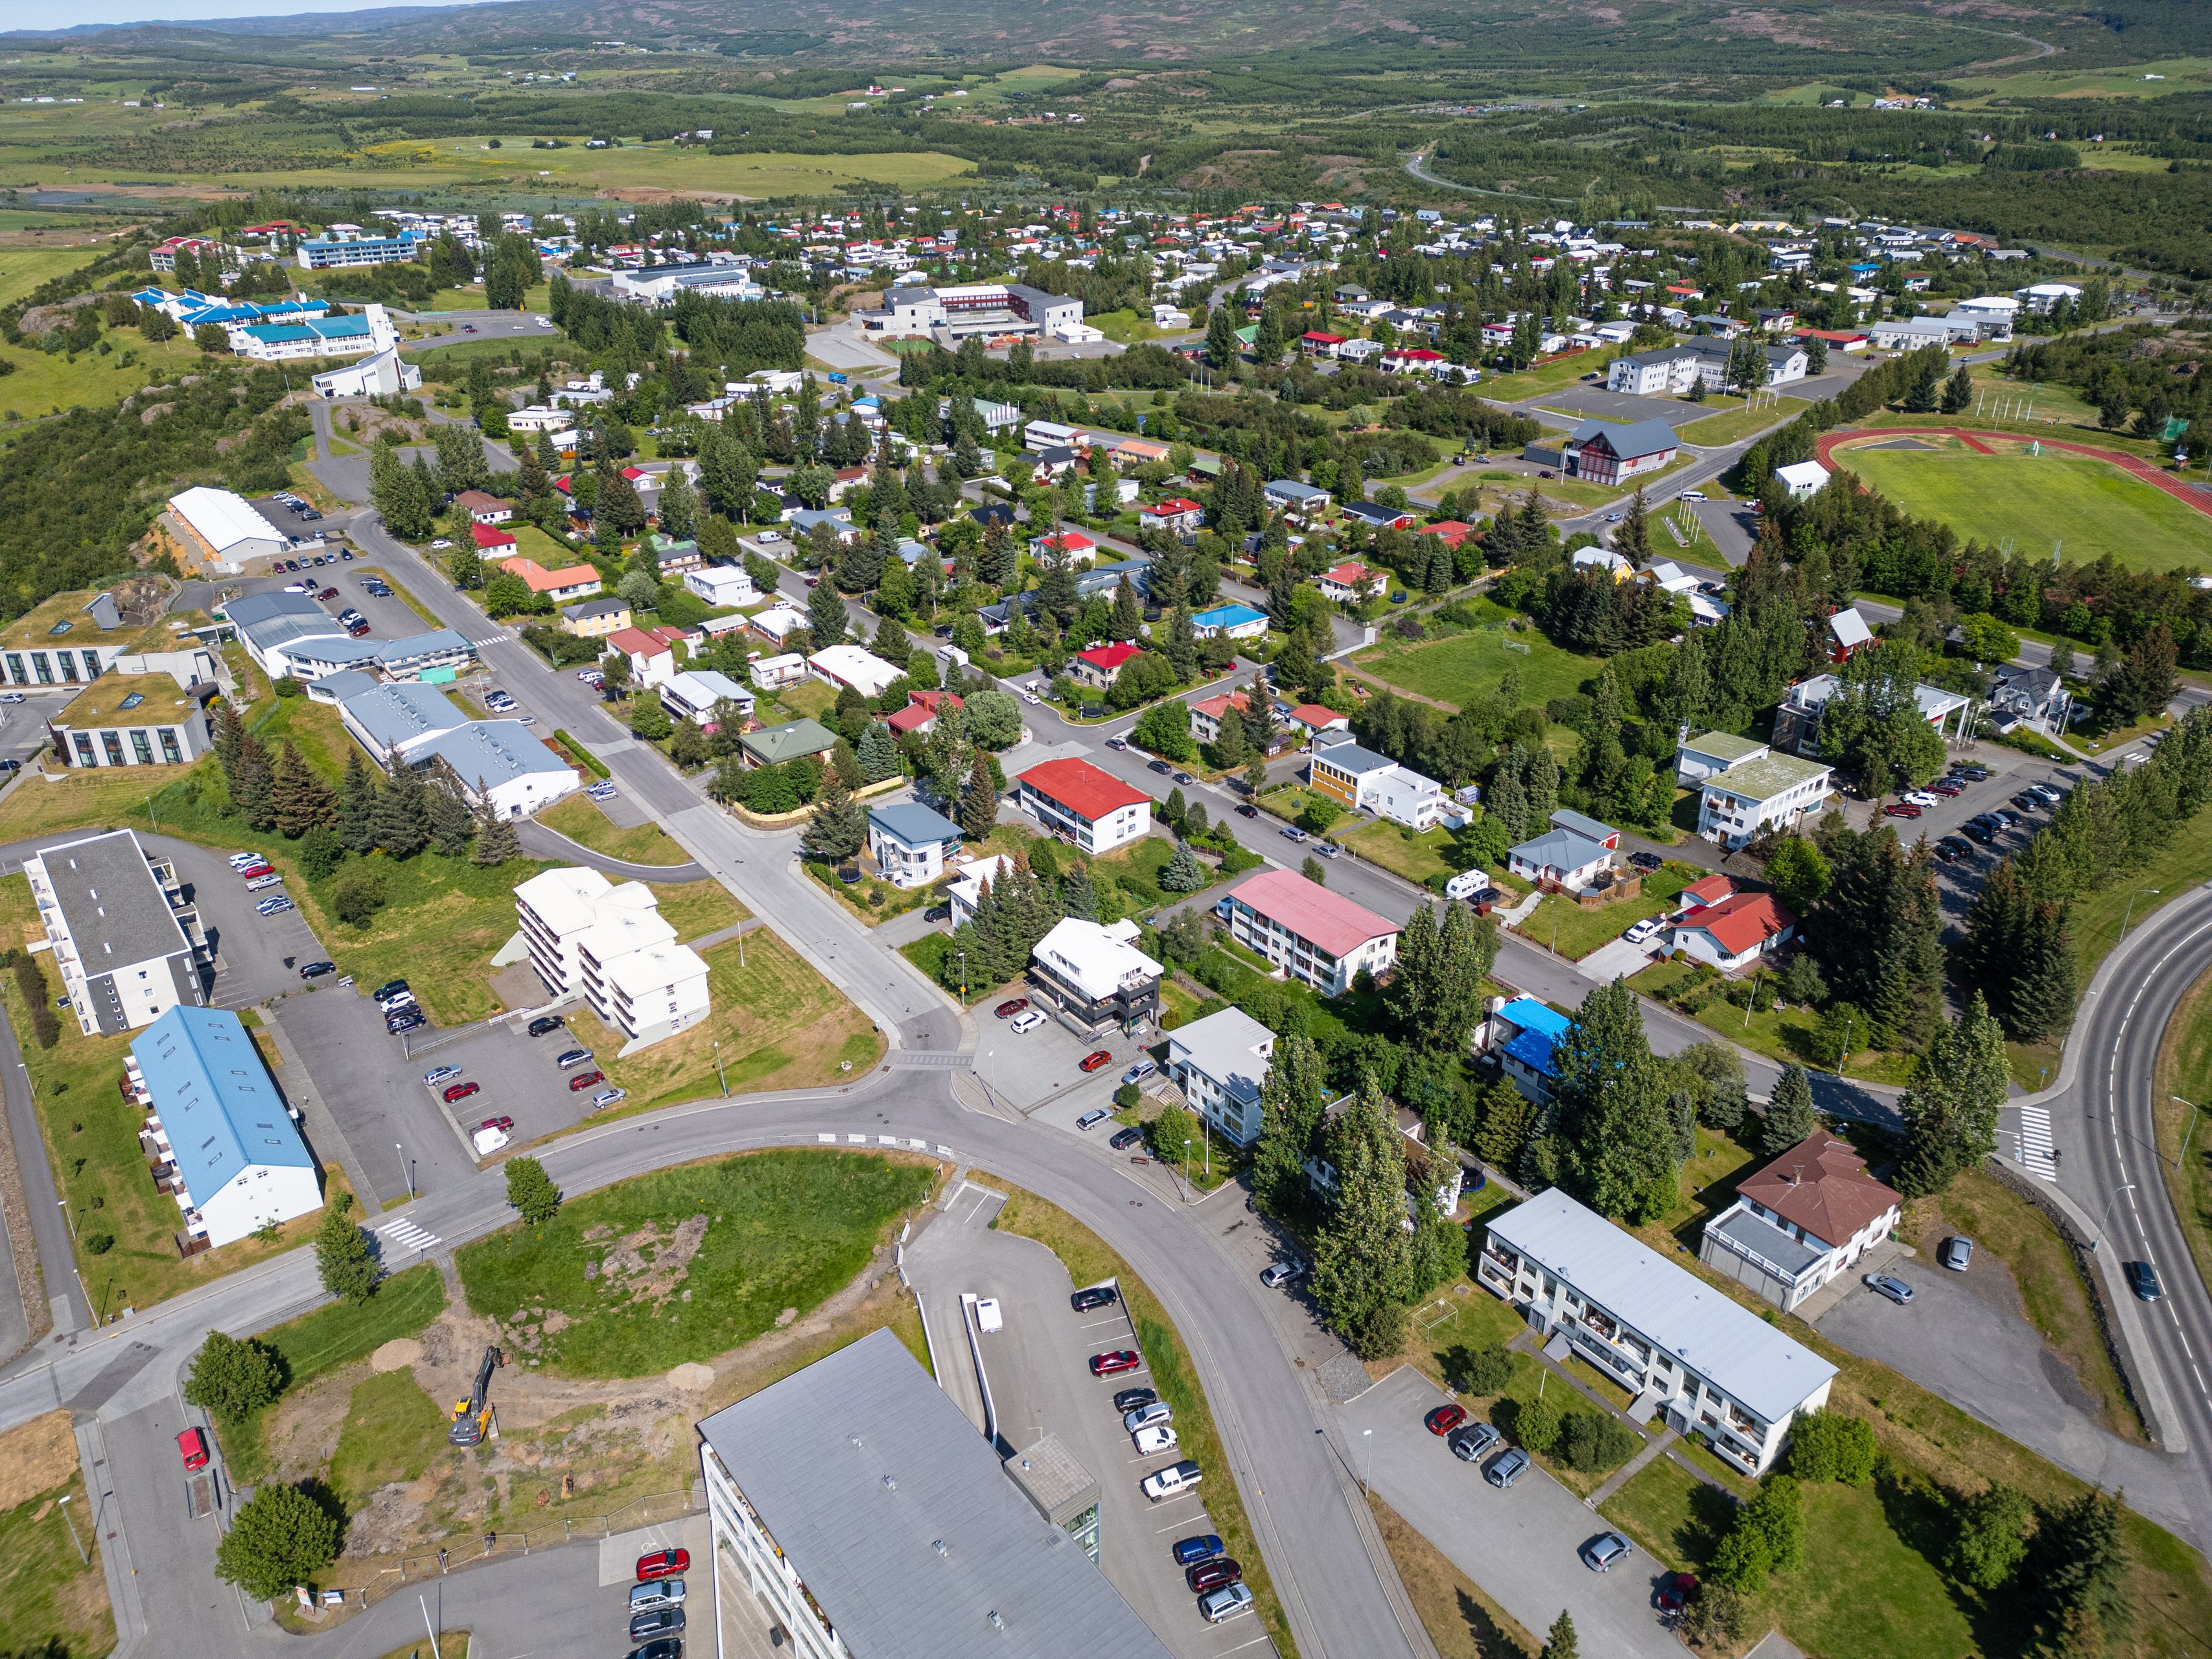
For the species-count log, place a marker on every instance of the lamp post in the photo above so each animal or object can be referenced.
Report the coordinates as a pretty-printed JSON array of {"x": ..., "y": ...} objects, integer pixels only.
[
  {"x": 1366, "y": 1481},
  {"x": 70, "y": 1214},
  {"x": 2184, "y": 1152},
  {"x": 2099, "y": 1241},
  {"x": 71, "y": 1525},
  {"x": 2129, "y": 912},
  {"x": 406, "y": 1167},
  {"x": 719, "y": 1072}
]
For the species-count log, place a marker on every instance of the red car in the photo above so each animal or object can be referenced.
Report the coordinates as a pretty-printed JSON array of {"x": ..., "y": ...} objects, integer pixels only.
[
  {"x": 1902, "y": 809},
  {"x": 252, "y": 870},
  {"x": 1676, "y": 1590},
  {"x": 1946, "y": 786},
  {"x": 1212, "y": 1574},
  {"x": 461, "y": 1091},
  {"x": 664, "y": 1563},
  {"x": 1091, "y": 1062},
  {"x": 499, "y": 1123},
  {"x": 192, "y": 1445},
  {"x": 584, "y": 1080},
  {"x": 1011, "y": 1006},
  {"x": 1111, "y": 1365},
  {"x": 1445, "y": 1419}
]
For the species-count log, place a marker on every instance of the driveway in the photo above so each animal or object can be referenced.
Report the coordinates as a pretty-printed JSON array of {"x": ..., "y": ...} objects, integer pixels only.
[
  {"x": 1519, "y": 1545},
  {"x": 1616, "y": 959},
  {"x": 1962, "y": 1338}
]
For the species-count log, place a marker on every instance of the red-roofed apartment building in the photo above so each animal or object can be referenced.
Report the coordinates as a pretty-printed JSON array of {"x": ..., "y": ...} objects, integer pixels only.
[
  {"x": 652, "y": 652},
  {"x": 1098, "y": 666},
  {"x": 921, "y": 711},
  {"x": 1319, "y": 938},
  {"x": 1077, "y": 802},
  {"x": 1736, "y": 932},
  {"x": 1808, "y": 1216}
]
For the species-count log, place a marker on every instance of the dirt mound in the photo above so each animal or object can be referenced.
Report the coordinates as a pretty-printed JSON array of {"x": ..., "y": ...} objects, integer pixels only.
[
  {"x": 397, "y": 1354},
  {"x": 692, "y": 1377},
  {"x": 651, "y": 1262}
]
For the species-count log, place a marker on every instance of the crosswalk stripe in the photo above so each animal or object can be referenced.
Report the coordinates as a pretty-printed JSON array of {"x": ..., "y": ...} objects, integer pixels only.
[
  {"x": 406, "y": 1236},
  {"x": 2036, "y": 1146}
]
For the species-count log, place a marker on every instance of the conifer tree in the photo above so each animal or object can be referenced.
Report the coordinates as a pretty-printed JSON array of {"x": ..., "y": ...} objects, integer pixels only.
[
  {"x": 298, "y": 799},
  {"x": 878, "y": 753},
  {"x": 1789, "y": 1115},
  {"x": 1362, "y": 1258},
  {"x": 356, "y": 805},
  {"x": 979, "y": 799},
  {"x": 1291, "y": 1101},
  {"x": 1950, "y": 1111},
  {"x": 1077, "y": 896},
  {"x": 496, "y": 841},
  {"x": 826, "y": 621},
  {"x": 251, "y": 782},
  {"x": 401, "y": 818},
  {"x": 838, "y": 828},
  {"x": 451, "y": 823}
]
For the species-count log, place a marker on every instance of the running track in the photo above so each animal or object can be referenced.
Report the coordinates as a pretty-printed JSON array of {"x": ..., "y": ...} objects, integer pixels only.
[{"x": 2200, "y": 499}]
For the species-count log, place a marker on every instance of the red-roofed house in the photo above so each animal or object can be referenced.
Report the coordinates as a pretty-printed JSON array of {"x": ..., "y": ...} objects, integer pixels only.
[
  {"x": 1319, "y": 938},
  {"x": 1205, "y": 714},
  {"x": 652, "y": 652},
  {"x": 489, "y": 538},
  {"x": 1317, "y": 343},
  {"x": 1073, "y": 543},
  {"x": 483, "y": 507},
  {"x": 1348, "y": 583},
  {"x": 570, "y": 583},
  {"x": 1711, "y": 889},
  {"x": 1798, "y": 1223},
  {"x": 1078, "y": 803},
  {"x": 1415, "y": 360},
  {"x": 1098, "y": 666},
  {"x": 1177, "y": 514},
  {"x": 921, "y": 711},
  {"x": 1734, "y": 933},
  {"x": 1450, "y": 532},
  {"x": 1312, "y": 718}
]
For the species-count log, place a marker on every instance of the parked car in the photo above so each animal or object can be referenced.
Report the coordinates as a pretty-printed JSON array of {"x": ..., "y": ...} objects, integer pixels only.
[
  {"x": 544, "y": 1024},
  {"x": 1444, "y": 1418},
  {"x": 238, "y": 860},
  {"x": 2028, "y": 801},
  {"x": 937, "y": 913},
  {"x": 267, "y": 878},
  {"x": 1276, "y": 1275},
  {"x": 1946, "y": 786},
  {"x": 1638, "y": 932},
  {"x": 1117, "y": 743},
  {"x": 659, "y": 1621},
  {"x": 1921, "y": 798},
  {"x": 1472, "y": 1443},
  {"x": 1139, "y": 1071},
  {"x": 259, "y": 866},
  {"x": 504, "y": 1125},
  {"x": 2142, "y": 1279},
  {"x": 1151, "y": 1442},
  {"x": 192, "y": 1447},
  {"x": 656, "y": 1593},
  {"x": 1956, "y": 1252},
  {"x": 1144, "y": 1416},
  {"x": 1603, "y": 1551},
  {"x": 317, "y": 970},
  {"x": 1023, "y": 1023},
  {"x": 1125, "y": 1138},
  {"x": 1902, "y": 809},
  {"x": 1093, "y": 1118},
  {"x": 1160, "y": 766},
  {"x": 664, "y": 1563},
  {"x": 1184, "y": 777},
  {"x": 1093, "y": 1060},
  {"x": 1127, "y": 1400},
  {"x": 1213, "y": 1574},
  {"x": 573, "y": 1057},
  {"x": 1645, "y": 861},
  {"x": 1982, "y": 833},
  {"x": 1507, "y": 1467},
  {"x": 270, "y": 906},
  {"x": 1010, "y": 1007},
  {"x": 1327, "y": 848},
  {"x": 462, "y": 1091},
  {"x": 607, "y": 1097},
  {"x": 1200, "y": 1547},
  {"x": 1176, "y": 1477},
  {"x": 1093, "y": 1297},
  {"x": 1895, "y": 1289},
  {"x": 1676, "y": 1590},
  {"x": 1115, "y": 1363},
  {"x": 1291, "y": 832},
  {"x": 1246, "y": 810},
  {"x": 328, "y": 594},
  {"x": 1972, "y": 771},
  {"x": 1951, "y": 850},
  {"x": 431, "y": 1079},
  {"x": 1229, "y": 1601},
  {"x": 410, "y": 1021}
]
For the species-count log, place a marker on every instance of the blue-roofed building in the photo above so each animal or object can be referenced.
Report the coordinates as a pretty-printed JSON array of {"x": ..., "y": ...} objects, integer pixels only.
[
  {"x": 331, "y": 254},
  {"x": 1233, "y": 621},
  {"x": 907, "y": 841},
  {"x": 1522, "y": 1034},
  {"x": 215, "y": 1115}
]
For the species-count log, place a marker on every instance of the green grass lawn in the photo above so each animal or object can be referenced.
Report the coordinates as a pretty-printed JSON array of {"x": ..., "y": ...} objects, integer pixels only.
[
  {"x": 1421, "y": 856},
  {"x": 1716, "y": 430},
  {"x": 1455, "y": 670},
  {"x": 928, "y": 953},
  {"x": 1576, "y": 931},
  {"x": 696, "y": 908},
  {"x": 1545, "y": 377},
  {"x": 1779, "y": 1034},
  {"x": 2086, "y": 507},
  {"x": 689, "y": 1262},
  {"x": 47, "y": 1593},
  {"x": 583, "y": 823},
  {"x": 391, "y": 1432},
  {"x": 1668, "y": 1511}
]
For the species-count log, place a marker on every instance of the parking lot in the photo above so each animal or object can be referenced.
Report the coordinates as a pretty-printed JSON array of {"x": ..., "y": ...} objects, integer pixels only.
[
  {"x": 1041, "y": 1383},
  {"x": 1519, "y": 1545}
]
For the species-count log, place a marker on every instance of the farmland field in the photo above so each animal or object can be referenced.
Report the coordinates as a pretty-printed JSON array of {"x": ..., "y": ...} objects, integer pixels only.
[{"x": 2086, "y": 507}]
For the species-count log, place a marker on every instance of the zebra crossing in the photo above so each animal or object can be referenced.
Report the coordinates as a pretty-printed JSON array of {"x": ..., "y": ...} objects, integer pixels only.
[
  {"x": 2036, "y": 1151},
  {"x": 404, "y": 1237}
]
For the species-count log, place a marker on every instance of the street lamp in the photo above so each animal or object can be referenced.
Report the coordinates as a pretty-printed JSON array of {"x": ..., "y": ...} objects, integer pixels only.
[
  {"x": 2184, "y": 1152},
  {"x": 1366, "y": 1481},
  {"x": 2128, "y": 1187},
  {"x": 2130, "y": 910},
  {"x": 719, "y": 1072},
  {"x": 406, "y": 1167},
  {"x": 70, "y": 1214},
  {"x": 71, "y": 1525}
]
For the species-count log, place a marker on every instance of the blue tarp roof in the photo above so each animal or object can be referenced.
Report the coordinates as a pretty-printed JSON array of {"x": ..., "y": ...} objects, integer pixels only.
[
  {"x": 1532, "y": 1049},
  {"x": 1229, "y": 615},
  {"x": 215, "y": 1098}
]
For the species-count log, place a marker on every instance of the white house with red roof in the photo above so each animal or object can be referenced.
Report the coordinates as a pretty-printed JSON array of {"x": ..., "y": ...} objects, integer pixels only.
[
  {"x": 922, "y": 710},
  {"x": 1796, "y": 1225},
  {"x": 567, "y": 585},
  {"x": 1318, "y": 937},
  {"x": 1311, "y": 719},
  {"x": 1206, "y": 713},
  {"x": 1076, "y": 801},
  {"x": 1450, "y": 532},
  {"x": 1416, "y": 360},
  {"x": 1319, "y": 343},
  {"x": 1178, "y": 514},
  {"x": 1349, "y": 583},
  {"x": 491, "y": 539},
  {"x": 1707, "y": 889},
  {"x": 1098, "y": 666},
  {"x": 1073, "y": 543},
  {"x": 652, "y": 652},
  {"x": 1739, "y": 932}
]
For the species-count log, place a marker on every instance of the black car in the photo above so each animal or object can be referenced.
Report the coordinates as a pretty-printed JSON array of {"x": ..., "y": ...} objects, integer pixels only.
[
  {"x": 317, "y": 970},
  {"x": 1127, "y": 1139},
  {"x": 2142, "y": 1279},
  {"x": 1982, "y": 833},
  {"x": 1161, "y": 767},
  {"x": 668, "y": 1647},
  {"x": 390, "y": 987},
  {"x": 1645, "y": 860},
  {"x": 544, "y": 1024},
  {"x": 1246, "y": 810},
  {"x": 659, "y": 1621},
  {"x": 937, "y": 913},
  {"x": 1130, "y": 1399},
  {"x": 1098, "y": 1296}
]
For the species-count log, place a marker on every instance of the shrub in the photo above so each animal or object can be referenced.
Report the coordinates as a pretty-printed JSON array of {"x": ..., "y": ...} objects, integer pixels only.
[
  {"x": 1126, "y": 1096},
  {"x": 356, "y": 897},
  {"x": 99, "y": 1244},
  {"x": 31, "y": 980},
  {"x": 1480, "y": 1371},
  {"x": 1827, "y": 1446},
  {"x": 1536, "y": 1425},
  {"x": 1589, "y": 1443},
  {"x": 231, "y": 1378}
]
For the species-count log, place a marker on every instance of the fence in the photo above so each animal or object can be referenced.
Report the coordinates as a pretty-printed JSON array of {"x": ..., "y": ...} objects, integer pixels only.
[{"x": 467, "y": 1549}]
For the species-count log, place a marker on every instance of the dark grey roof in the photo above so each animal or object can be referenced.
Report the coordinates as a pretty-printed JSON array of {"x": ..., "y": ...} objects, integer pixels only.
[
  {"x": 859, "y": 1467},
  {"x": 1762, "y": 1238},
  {"x": 1628, "y": 439},
  {"x": 116, "y": 912},
  {"x": 250, "y": 608}
]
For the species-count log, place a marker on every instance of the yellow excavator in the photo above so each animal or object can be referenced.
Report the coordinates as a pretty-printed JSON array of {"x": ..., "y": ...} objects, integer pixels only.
[{"x": 472, "y": 1416}]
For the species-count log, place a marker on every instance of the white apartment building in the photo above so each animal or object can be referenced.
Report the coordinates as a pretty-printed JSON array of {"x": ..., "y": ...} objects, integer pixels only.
[
  {"x": 1746, "y": 789},
  {"x": 609, "y": 944},
  {"x": 1318, "y": 937},
  {"x": 127, "y": 946},
  {"x": 1685, "y": 1351},
  {"x": 1219, "y": 1063}
]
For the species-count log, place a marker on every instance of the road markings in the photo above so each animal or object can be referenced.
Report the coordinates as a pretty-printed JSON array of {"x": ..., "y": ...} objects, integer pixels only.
[
  {"x": 2035, "y": 1144},
  {"x": 405, "y": 1235}
]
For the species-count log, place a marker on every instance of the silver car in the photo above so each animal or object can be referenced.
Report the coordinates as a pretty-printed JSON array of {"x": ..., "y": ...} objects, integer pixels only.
[
  {"x": 1218, "y": 1606},
  {"x": 1603, "y": 1551},
  {"x": 660, "y": 1593},
  {"x": 1505, "y": 1470},
  {"x": 1144, "y": 1416}
]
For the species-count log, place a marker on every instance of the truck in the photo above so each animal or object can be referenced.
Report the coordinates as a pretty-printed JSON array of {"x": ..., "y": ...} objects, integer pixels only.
[{"x": 472, "y": 1416}]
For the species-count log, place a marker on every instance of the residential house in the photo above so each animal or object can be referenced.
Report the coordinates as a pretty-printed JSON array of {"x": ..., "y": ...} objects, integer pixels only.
[
  {"x": 1232, "y": 621},
  {"x": 651, "y": 651},
  {"x": 1316, "y": 937},
  {"x": 1098, "y": 666},
  {"x": 1613, "y": 452},
  {"x": 491, "y": 542},
  {"x": 596, "y": 619},
  {"x": 1800, "y": 1221},
  {"x": 849, "y": 667},
  {"x": 1370, "y": 783},
  {"x": 1376, "y": 516},
  {"x": 1178, "y": 515},
  {"x": 1450, "y": 532},
  {"x": 1311, "y": 721},
  {"x": 1708, "y": 1366},
  {"x": 1316, "y": 342},
  {"x": 1206, "y": 713},
  {"x": 1797, "y": 721},
  {"x": 677, "y": 560},
  {"x": 908, "y": 843},
  {"x": 1746, "y": 789},
  {"x": 1350, "y": 583},
  {"x": 1289, "y": 496},
  {"x": 778, "y": 623},
  {"x": 2021, "y": 695},
  {"x": 1072, "y": 543},
  {"x": 483, "y": 507},
  {"x": 1078, "y": 803},
  {"x": 562, "y": 586},
  {"x": 1848, "y": 634},
  {"x": 724, "y": 586},
  {"x": 970, "y": 876},
  {"x": 774, "y": 673},
  {"x": 1521, "y": 1037},
  {"x": 1095, "y": 977},
  {"x": 697, "y": 693},
  {"x": 609, "y": 943},
  {"x": 921, "y": 712},
  {"x": 837, "y": 521},
  {"x": 1739, "y": 932},
  {"x": 1615, "y": 565},
  {"x": 1219, "y": 1063},
  {"x": 1572, "y": 855},
  {"x": 774, "y": 744}
]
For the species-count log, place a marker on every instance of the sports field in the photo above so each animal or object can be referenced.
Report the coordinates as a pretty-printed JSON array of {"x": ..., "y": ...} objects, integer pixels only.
[{"x": 2085, "y": 507}]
